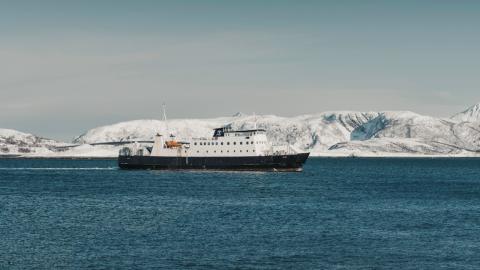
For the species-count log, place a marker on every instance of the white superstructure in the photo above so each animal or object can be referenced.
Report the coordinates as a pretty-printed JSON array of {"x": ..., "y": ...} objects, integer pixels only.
[{"x": 224, "y": 143}]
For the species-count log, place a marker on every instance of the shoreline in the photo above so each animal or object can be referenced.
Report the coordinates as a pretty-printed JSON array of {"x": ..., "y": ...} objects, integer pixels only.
[
  {"x": 311, "y": 156},
  {"x": 59, "y": 157}
]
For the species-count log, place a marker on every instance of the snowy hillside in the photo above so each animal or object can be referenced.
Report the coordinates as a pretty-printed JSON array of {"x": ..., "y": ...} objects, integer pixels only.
[
  {"x": 146, "y": 129},
  {"x": 471, "y": 114},
  {"x": 14, "y": 142},
  {"x": 388, "y": 133},
  {"x": 328, "y": 133}
]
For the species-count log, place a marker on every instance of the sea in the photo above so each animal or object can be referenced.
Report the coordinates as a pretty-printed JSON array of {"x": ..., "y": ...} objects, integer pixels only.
[{"x": 339, "y": 213}]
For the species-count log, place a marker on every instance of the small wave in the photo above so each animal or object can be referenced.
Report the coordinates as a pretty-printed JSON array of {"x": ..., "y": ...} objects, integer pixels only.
[{"x": 59, "y": 169}]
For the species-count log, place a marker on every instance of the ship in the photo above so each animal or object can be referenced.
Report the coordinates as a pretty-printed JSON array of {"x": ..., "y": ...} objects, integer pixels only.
[{"x": 227, "y": 149}]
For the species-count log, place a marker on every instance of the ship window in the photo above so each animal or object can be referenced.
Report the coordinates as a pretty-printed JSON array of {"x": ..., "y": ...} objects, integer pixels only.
[
  {"x": 234, "y": 143},
  {"x": 195, "y": 144},
  {"x": 247, "y": 150},
  {"x": 215, "y": 151},
  {"x": 253, "y": 150},
  {"x": 228, "y": 143},
  {"x": 251, "y": 142},
  {"x": 208, "y": 143},
  {"x": 221, "y": 151},
  {"x": 234, "y": 151},
  {"x": 241, "y": 142},
  {"x": 206, "y": 151},
  {"x": 240, "y": 151},
  {"x": 228, "y": 151},
  {"x": 221, "y": 143},
  {"x": 216, "y": 143},
  {"x": 198, "y": 151},
  {"x": 246, "y": 143}
]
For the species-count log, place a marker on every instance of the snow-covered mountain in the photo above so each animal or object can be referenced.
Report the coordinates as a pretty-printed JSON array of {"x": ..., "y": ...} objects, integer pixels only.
[
  {"x": 471, "y": 114},
  {"x": 388, "y": 133},
  {"x": 14, "y": 142},
  {"x": 329, "y": 133}
]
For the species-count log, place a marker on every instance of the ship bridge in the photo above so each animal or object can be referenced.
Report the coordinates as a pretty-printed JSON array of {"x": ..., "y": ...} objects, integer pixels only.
[{"x": 225, "y": 131}]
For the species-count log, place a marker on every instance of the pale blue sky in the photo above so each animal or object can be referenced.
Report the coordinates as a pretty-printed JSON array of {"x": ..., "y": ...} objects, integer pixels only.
[{"x": 67, "y": 66}]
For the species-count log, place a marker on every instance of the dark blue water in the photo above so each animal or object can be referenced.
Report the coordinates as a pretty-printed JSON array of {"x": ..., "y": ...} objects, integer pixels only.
[{"x": 337, "y": 214}]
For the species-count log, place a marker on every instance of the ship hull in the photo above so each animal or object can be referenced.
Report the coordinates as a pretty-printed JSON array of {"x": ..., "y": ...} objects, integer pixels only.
[{"x": 250, "y": 163}]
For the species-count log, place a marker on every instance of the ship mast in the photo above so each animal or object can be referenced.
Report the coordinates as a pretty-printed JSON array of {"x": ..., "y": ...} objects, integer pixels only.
[{"x": 165, "y": 120}]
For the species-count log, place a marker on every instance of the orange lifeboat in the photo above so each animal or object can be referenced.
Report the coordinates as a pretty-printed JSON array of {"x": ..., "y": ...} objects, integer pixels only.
[{"x": 172, "y": 144}]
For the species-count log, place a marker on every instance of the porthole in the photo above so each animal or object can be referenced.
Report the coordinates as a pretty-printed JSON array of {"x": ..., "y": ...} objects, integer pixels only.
[
  {"x": 195, "y": 144},
  {"x": 221, "y": 143},
  {"x": 246, "y": 142},
  {"x": 241, "y": 143},
  {"x": 234, "y": 143}
]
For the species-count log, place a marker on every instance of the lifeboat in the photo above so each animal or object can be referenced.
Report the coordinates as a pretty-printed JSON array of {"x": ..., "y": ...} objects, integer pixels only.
[{"x": 173, "y": 144}]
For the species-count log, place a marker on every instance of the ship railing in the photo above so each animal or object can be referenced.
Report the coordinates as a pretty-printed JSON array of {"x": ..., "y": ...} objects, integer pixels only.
[
  {"x": 284, "y": 149},
  {"x": 135, "y": 150},
  {"x": 125, "y": 152}
]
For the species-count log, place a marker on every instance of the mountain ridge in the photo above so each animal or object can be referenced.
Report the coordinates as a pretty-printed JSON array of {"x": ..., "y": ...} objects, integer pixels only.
[
  {"x": 335, "y": 133},
  {"x": 472, "y": 114}
]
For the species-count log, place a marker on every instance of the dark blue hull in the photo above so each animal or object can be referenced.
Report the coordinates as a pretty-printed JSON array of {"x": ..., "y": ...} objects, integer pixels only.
[{"x": 252, "y": 163}]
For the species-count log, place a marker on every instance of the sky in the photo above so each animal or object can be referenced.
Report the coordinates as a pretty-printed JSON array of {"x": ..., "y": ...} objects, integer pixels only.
[{"x": 69, "y": 66}]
